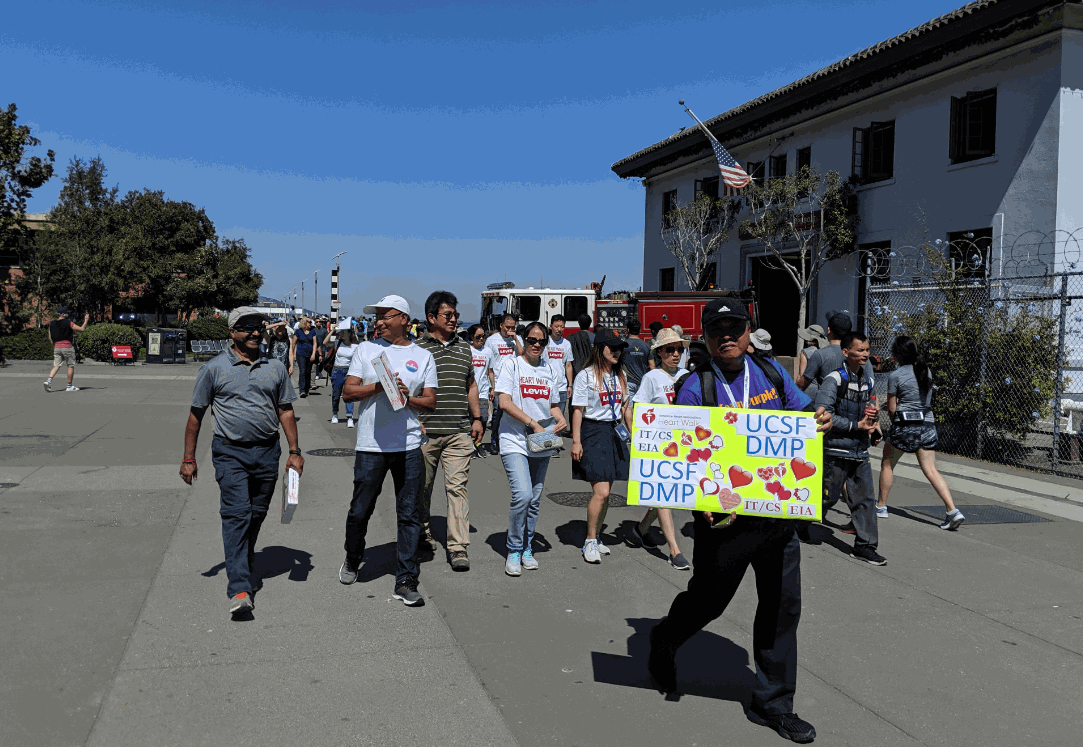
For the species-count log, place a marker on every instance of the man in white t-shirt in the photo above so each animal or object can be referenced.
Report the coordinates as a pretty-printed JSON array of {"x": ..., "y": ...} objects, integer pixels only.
[
  {"x": 503, "y": 345},
  {"x": 483, "y": 366},
  {"x": 559, "y": 354},
  {"x": 389, "y": 440}
]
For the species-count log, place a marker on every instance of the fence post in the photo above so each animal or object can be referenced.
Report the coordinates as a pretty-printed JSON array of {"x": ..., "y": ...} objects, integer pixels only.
[
  {"x": 1058, "y": 391},
  {"x": 987, "y": 303}
]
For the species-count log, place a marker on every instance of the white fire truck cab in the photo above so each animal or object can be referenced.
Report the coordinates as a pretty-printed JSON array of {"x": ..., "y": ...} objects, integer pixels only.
[{"x": 536, "y": 304}]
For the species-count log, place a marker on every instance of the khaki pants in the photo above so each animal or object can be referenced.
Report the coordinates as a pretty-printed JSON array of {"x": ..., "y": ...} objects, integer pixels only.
[{"x": 454, "y": 453}]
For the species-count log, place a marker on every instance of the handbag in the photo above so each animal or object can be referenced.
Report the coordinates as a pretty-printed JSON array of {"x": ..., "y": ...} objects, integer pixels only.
[{"x": 546, "y": 443}]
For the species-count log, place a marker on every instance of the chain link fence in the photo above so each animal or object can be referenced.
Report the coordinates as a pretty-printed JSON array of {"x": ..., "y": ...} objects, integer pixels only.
[{"x": 1001, "y": 327}]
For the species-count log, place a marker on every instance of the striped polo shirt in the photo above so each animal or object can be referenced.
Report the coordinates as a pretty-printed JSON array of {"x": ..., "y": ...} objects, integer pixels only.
[{"x": 454, "y": 372}]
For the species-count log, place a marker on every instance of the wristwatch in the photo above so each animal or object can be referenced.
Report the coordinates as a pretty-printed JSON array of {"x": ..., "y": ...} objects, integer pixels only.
[
  {"x": 295, "y": 451},
  {"x": 475, "y": 417}
]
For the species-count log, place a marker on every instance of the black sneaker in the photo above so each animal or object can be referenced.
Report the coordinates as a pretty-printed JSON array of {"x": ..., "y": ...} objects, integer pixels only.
[
  {"x": 868, "y": 555},
  {"x": 407, "y": 594},
  {"x": 848, "y": 529},
  {"x": 637, "y": 538},
  {"x": 788, "y": 725},
  {"x": 660, "y": 666},
  {"x": 347, "y": 574}
]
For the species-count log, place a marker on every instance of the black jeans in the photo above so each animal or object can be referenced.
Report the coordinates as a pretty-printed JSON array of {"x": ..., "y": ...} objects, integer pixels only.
[
  {"x": 408, "y": 473},
  {"x": 856, "y": 474},
  {"x": 246, "y": 476},
  {"x": 720, "y": 558},
  {"x": 304, "y": 373}
]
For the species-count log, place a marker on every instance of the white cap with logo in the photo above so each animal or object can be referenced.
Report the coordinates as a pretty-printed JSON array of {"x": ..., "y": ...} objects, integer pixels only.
[{"x": 398, "y": 303}]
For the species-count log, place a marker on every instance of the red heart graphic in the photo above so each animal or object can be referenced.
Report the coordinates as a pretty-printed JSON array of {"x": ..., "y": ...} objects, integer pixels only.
[
  {"x": 702, "y": 434},
  {"x": 708, "y": 486},
  {"x": 780, "y": 470},
  {"x": 671, "y": 449},
  {"x": 693, "y": 456},
  {"x": 801, "y": 494},
  {"x": 728, "y": 499},
  {"x": 765, "y": 473},
  {"x": 773, "y": 487},
  {"x": 783, "y": 494},
  {"x": 731, "y": 417},
  {"x": 739, "y": 477},
  {"x": 686, "y": 440},
  {"x": 801, "y": 468},
  {"x": 704, "y": 454}
]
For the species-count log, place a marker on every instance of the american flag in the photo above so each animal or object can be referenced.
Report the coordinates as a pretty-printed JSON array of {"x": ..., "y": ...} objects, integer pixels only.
[{"x": 733, "y": 176}]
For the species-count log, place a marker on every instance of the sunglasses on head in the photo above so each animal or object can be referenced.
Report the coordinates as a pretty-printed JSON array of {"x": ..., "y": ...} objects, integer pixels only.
[{"x": 534, "y": 341}]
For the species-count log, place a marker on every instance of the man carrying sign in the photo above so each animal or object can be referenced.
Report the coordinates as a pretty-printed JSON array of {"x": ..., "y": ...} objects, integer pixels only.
[{"x": 724, "y": 547}]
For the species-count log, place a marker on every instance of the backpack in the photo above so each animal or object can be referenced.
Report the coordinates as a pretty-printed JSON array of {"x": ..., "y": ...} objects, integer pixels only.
[{"x": 709, "y": 395}]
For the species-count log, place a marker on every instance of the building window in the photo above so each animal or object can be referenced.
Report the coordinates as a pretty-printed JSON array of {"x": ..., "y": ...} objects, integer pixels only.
[
  {"x": 973, "y": 126},
  {"x": 876, "y": 262},
  {"x": 969, "y": 252},
  {"x": 755, "y": 170},
  {"x": 666, "y": 278},
  {"x": 873, "y": 157},
  {"x": 707, "y": 277},
  {"x": 669, "y": 204},
  {"x": 804, "y": 157},
  {"x": 778, "y": 166},
  {"x": 708, "y": 186}
]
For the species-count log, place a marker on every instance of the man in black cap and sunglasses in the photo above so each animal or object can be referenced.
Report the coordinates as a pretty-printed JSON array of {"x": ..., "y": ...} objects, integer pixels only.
[
  {"x": 250, "y": 397},
  {"x": 726, "y": 546}
]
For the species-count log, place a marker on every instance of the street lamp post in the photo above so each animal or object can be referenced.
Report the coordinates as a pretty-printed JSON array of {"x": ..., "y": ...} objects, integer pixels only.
[
  {"x": 334, "y": 288},
  {"x": 316, "y": 293}
]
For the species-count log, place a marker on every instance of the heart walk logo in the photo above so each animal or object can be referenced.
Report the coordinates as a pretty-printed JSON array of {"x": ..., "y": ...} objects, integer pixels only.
[{"x": 647, "y": 416}]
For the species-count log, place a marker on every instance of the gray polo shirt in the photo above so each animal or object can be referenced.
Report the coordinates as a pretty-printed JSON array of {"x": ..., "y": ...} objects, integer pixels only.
[{"x": 244, "y": 397}]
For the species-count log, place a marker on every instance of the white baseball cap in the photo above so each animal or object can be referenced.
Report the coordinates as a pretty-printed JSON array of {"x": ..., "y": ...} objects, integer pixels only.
[{"x": 398, "y": 303}]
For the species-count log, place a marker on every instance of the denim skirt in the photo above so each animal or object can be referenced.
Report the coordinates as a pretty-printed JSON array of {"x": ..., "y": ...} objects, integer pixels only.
[{"x": 605, "y": 455}]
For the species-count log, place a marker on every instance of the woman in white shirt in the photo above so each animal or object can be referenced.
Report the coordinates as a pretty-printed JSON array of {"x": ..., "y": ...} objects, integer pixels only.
[
  {"x": 347, "y": 344},
  {"x": 599, "y": 452},
  {"x": 528, "y": 393},
  {"x": 659, "y": 388}
]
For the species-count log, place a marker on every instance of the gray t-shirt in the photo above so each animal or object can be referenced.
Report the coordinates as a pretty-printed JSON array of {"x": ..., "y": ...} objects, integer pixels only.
[
  {"x": 904, "y": 385},
  {"x": 825, "y": 360},
  {"x": 243, "y": 397},
  {"x": 636, "y": 360}
]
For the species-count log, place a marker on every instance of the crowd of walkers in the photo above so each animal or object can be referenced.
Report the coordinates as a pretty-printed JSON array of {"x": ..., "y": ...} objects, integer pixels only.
[{"x": 532, "y": 386}]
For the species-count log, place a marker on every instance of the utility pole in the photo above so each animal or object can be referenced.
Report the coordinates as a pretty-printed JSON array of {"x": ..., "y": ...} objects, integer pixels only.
[
  {"x": 302, "y": 298},
  {"x": 316, "y": 293}
]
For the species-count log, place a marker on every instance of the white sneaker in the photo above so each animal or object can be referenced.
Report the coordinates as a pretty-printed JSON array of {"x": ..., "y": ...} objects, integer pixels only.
[
  {"x": 881, "y": 512},
  {"x": 72, "y": 388},
  {"x": 513, "y": 566},
  {"x": 590, "y": 552},
  {"x": 334, "y": 418},
  {"x": 528, "y": 561},
  {"x": 953, "y": 520},
  {"x": 602, "y": 549},
  {"x": 349, "y": 422},
  {"x": 48, "y": 386}
]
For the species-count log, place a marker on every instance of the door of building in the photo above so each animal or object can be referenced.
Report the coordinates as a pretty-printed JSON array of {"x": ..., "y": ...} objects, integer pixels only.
[{"x": 779, "y": 303}]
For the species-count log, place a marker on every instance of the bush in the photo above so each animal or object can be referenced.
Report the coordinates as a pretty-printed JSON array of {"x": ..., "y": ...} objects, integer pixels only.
[
  {"x": 96, "y": 340},
  {"x": 208, "y": 328},
  {"x": 28, "y": 345}
]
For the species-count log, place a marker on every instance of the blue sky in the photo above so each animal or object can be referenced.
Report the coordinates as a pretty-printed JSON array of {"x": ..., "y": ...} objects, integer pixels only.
[{"x": 440, "y": 144}]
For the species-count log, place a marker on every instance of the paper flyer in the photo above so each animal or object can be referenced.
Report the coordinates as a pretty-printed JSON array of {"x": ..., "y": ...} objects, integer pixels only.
[
  {"x": 387, "y": 381},
  {"x": 722, "y": 459},
  {"x": 291, "y": 489}
]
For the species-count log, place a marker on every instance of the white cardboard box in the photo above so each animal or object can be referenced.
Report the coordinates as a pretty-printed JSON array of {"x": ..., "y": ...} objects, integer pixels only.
[{"x": 291, "y": 489}]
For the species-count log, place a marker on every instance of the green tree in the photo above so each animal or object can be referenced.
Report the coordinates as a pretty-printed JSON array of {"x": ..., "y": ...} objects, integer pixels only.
[
  {"x": 804, "y": 220},
  {"x": 222, "y": 276},
  {"x": 694, "y": 233}
]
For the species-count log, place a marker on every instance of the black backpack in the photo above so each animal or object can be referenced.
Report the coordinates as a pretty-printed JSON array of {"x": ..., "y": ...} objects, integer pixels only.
[{"x": 709, "y": 395}]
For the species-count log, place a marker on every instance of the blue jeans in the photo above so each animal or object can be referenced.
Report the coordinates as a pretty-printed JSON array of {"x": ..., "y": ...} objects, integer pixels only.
[
  {"x": 526, "y": 476},
  {"x": 304, "y": 372},
  {"x": 338, "y": 380},
  {"x": 246, "y": 476},
  {"x": 408, "y": 472}
]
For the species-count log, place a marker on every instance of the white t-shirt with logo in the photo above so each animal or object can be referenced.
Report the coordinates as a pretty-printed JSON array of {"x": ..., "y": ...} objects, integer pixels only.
[
  {"x": 380, "y": 428},
  {"x": 533, "y": 390},
  {"x": 483, "y": 363},
  {"x": 558, "y": 353},
  {"x": 501, "y": 349},
  {"x": 600, "y": 402},
  {"x": 657, "y": 387}
]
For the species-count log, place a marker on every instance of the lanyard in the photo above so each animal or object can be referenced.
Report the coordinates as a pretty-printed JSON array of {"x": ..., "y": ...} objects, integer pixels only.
[
  {"x": 726, "y": 385},
  {"x": 609, "y": 391}
]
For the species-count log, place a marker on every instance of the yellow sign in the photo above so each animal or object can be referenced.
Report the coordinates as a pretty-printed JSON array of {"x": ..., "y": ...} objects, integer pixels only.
[{"x": 723, "y": 459}]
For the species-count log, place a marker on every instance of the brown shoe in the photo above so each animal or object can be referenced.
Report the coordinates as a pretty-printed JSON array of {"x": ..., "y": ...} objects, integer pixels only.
[
  {"x": 458, "y": 560},
  {"x": 427, "y": 539}
]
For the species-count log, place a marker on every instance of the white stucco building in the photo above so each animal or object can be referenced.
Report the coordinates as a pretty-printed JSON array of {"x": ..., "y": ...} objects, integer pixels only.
[{"x": 970, "y": 123}]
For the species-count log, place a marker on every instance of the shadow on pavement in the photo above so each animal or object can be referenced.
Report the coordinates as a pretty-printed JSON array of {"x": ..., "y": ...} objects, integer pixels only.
[
  {"x": 708, "y": 665},
  {"x": 499, "y": 542},
  {"x": 378, "y": 562},
  {"x": 276, "y": 560}
]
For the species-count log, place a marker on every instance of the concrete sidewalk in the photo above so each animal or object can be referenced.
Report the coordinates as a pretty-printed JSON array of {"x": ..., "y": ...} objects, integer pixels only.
[{"x": 115, "y": 605}]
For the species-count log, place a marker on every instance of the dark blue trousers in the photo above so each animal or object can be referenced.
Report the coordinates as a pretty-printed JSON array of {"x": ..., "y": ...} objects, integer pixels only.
[
  {"x": 246, "y": 475},
  {"x": 720, "y": 559},
  {"x": 408, "y": 473}
]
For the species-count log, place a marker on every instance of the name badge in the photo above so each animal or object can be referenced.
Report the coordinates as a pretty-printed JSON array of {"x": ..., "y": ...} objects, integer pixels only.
[{"x": 622, "y": 432}]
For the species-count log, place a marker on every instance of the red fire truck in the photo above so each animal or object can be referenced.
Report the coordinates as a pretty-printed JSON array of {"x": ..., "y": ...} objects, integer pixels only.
[{"x": 610, "y": 311}]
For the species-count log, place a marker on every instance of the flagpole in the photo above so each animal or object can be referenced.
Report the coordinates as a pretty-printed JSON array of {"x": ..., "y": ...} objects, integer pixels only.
[{"x": 693, "y": 116}]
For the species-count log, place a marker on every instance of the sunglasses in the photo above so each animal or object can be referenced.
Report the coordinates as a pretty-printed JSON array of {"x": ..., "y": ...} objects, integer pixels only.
[
  {"x": 670, "y": 350},
  {"x": 479, "y": 337},
  {"x": 249, "y": 328},
  {"x": 534, "y": 341},
  {"x": 727, "y": 330},
  {"x": 449, "y": 315}
]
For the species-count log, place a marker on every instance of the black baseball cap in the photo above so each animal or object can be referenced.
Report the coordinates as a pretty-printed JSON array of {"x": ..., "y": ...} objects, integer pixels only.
[
  {"x": 609, "y": 339},
  {"x": 724, "y": 310}
]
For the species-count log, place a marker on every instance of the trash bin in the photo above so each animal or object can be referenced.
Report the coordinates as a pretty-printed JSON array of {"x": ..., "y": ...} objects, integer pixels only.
[{"x": 166, "y": 345}]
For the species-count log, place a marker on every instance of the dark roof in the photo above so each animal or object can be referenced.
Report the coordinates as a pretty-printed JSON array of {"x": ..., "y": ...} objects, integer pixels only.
[{"x": 833, "y": 70}]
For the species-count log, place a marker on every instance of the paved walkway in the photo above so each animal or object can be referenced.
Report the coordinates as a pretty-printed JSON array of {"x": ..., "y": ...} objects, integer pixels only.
[{"x": 116, "y": 633}]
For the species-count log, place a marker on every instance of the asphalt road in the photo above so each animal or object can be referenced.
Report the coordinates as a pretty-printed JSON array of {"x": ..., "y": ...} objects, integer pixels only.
[{"x": 115, "y": 630}]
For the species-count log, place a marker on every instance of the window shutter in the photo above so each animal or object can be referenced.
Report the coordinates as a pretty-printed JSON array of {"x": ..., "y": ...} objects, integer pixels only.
[
  {"x": 989, "y": 126},
  {"x": 857, "y": 162},
  {"x": 955, "y": 128}
]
